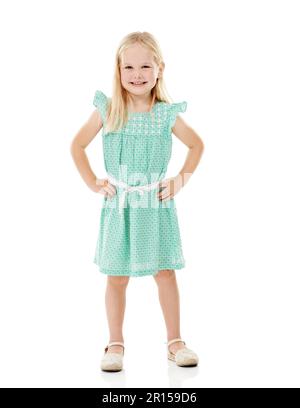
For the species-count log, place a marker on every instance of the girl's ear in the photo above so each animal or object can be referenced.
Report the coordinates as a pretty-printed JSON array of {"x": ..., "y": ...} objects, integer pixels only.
[{"x": 161, "y": 69}]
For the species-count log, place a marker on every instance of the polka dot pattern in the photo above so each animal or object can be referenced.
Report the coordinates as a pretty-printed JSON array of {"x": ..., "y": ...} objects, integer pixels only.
[{"x": 144, "y": 237}]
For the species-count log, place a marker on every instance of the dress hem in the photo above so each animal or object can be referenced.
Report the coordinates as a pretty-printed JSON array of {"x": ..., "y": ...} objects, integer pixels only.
[{"x": 141, "y": 273}]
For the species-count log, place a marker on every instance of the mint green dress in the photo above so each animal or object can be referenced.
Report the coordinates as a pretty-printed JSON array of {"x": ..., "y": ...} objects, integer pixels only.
[{"x": 144, "y": 237}]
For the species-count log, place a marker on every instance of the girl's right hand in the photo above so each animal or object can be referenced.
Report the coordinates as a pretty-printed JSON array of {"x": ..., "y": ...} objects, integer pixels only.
[{"x": 103, "y": 186}]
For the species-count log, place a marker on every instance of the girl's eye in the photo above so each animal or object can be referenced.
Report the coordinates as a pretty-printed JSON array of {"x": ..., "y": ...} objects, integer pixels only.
[{"x": 142, "y": 66}]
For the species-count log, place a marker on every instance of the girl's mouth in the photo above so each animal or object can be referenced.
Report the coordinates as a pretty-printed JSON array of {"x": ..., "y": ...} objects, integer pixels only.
[{"x": 138, "y": 84}]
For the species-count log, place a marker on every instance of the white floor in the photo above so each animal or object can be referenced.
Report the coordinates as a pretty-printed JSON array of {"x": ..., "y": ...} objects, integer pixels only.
[{"x": 56, "y": 338}]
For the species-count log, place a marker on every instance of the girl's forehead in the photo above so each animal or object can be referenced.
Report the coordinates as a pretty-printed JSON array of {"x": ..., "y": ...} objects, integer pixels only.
[{"x": 136, "y": 55}]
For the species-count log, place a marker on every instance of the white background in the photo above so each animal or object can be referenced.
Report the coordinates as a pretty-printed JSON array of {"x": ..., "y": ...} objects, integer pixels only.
[{"x": 237, "y": 65}]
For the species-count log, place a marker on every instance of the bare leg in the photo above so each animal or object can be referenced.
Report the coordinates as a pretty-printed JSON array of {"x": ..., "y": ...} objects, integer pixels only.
[
  {"x": 115, "y": 301},
  {"x": 170, "y": 304}
]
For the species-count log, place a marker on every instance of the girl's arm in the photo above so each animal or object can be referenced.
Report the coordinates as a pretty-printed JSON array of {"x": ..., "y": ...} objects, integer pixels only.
[
  {"x": 81, "y": 140},
  {"x": 196, "y": 146}
]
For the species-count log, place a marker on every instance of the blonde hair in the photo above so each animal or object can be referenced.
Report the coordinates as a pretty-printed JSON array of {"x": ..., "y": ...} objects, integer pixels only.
[{"x": 117, "y": 113}]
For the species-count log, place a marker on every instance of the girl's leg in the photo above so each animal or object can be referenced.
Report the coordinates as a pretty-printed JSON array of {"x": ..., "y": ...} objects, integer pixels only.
[
  {"x": 170, "y": 304},
  {"x": 115, "y": 301}
]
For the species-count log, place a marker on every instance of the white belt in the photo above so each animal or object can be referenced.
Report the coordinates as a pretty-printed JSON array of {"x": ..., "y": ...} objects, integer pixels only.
[{"x": 129, "y": 189}]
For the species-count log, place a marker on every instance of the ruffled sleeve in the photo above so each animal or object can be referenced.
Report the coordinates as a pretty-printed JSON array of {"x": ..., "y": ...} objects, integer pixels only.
[
  {"x": 175, "y": 108},
  {"x": 100, "y": 102}
]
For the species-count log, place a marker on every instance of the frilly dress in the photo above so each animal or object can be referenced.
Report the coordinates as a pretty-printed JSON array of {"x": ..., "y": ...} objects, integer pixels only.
[{"x": 143, "y": 237}]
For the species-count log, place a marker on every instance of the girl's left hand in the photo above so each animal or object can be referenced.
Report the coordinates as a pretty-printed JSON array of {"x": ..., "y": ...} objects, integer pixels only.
[{"x": 171, "y": 187}]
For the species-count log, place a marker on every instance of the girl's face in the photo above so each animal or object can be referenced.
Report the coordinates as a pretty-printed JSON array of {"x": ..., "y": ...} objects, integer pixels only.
[{"x": 138, "y": 70}]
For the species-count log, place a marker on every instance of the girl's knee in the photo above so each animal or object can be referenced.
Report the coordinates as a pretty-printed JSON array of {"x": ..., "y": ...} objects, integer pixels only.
[
  {"x": 164, "y": 274},
  {"x": 118, "y": 280}
]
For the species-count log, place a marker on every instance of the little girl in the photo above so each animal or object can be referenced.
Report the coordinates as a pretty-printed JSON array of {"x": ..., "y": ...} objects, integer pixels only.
[{"x": 139, "y": 232}]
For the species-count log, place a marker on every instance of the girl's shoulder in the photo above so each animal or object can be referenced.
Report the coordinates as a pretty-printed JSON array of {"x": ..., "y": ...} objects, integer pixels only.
[
  {"x": 100, "y": 99},
  {"x": 101, "y": 103},
  {"x": 171, "y": 110},
  {"x": 172, "y": 107}
]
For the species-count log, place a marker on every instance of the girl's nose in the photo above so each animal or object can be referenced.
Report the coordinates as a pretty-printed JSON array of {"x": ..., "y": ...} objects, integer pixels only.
[{"x": 137, "y": 74}]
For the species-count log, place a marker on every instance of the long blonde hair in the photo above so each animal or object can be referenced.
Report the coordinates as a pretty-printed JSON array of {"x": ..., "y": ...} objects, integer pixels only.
[{"x": 117, "y": 113}]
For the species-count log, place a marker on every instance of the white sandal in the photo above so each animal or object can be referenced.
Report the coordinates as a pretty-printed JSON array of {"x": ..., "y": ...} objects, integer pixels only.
[
  {"x": 112, "y": 361},
  {"x": 184, "y": 357}
]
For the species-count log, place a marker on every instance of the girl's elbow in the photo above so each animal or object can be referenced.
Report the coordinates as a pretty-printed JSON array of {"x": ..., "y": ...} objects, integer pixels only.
[{"x": 199, "y": 145}]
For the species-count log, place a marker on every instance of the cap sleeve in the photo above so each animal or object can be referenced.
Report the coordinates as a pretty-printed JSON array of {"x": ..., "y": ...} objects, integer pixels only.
[
  {"x": 175, "y": 108},
  {"x": 100, "y": 102}
]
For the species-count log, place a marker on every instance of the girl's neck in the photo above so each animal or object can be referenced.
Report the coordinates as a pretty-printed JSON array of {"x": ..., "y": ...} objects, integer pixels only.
[{"x": 140, "y": 104}]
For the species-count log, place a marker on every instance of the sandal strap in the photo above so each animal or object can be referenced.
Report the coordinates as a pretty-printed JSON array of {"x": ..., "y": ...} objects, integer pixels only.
[
  {"x": 175, "y": 341},
  {"x": 114, "y": 343}
]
